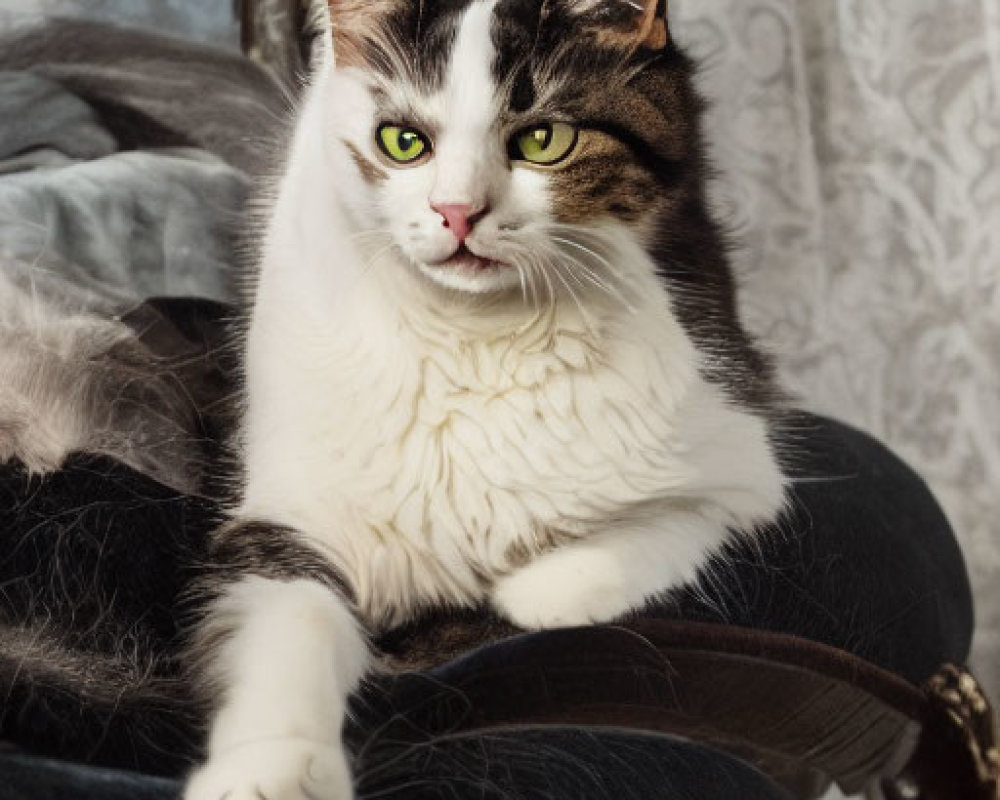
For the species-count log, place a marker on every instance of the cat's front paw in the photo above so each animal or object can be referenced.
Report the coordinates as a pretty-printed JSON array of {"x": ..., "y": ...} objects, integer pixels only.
[
  {"x": 564, "y": 590},
  {"x": 277, "y": 769}
]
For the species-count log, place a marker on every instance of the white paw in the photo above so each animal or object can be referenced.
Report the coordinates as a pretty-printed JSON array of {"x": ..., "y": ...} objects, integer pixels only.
[
  {"x": 564, "y": 590},
  {"x": 280, "y": 769}
]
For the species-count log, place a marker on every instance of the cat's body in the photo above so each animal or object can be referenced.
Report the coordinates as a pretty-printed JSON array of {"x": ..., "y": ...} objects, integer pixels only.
[
  {"x": 435, "y": 449},
  {"x": 437, "y": 441},
  {"x": 467, "y": 379}
]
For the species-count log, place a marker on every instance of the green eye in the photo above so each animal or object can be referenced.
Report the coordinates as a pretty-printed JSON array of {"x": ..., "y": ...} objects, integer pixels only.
[
  {"x": 402, "y": 145},
  {"x": 544, "y": 144}
]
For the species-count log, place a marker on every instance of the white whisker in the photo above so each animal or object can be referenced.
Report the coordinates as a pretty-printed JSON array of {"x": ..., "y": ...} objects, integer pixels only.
[
  {"x": 584, "y": 315},
  {"x": 590, "y": 275}
]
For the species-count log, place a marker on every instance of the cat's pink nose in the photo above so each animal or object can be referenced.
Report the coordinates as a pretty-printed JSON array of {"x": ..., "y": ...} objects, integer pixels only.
[{"x": 459, "y": 218}]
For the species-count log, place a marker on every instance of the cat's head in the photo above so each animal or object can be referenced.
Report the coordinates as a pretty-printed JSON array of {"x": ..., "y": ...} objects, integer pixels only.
[{"x": 499, "y": 143}]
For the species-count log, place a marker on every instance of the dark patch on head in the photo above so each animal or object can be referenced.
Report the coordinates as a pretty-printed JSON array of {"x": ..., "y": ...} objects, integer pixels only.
[
  {"x": 636, "y": 110},
  {"x": 417, "y": 35},
  {"x": 516, "y": 24},
  {"x": 522, "y": 91},
  {"x": 556, "y": 65}
]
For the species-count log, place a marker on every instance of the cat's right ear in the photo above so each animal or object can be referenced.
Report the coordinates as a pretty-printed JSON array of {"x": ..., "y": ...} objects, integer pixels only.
[
  {"x": 351, "y": 21},
  {"x": 634, "y": 24}
]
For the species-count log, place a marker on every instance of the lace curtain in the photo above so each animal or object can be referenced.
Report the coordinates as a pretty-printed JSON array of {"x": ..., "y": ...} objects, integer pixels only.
[{"x": 859, "y": 142}]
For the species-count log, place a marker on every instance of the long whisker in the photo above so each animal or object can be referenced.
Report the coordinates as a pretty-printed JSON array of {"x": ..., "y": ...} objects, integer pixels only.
[
  {"x": 370, "y": 263},
  {"x": 373, "y": 232},
  {"x": 584, "y": 315},
  {"x": 590, "y": 251},
  {"x": 600, "y": 236},
  {"x": 533, "y": 285},
  {"x": 368, "y": 267},
  {"x": 531, "y": 274},
  {"x": 524, "y": 286},
  {"x": 553, "y": 296},
  {"x": 591, "y": 275}
]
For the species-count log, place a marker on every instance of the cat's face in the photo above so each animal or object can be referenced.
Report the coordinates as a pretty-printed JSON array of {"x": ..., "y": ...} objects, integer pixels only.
[{"x": 506, "y": 143}]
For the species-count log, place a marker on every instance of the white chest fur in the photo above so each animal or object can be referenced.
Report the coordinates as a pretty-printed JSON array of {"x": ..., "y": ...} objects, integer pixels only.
[{"x": 431, "y": 455}]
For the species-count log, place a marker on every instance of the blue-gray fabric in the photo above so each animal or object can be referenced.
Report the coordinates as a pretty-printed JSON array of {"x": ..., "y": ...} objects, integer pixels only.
[
  {"x": 39, "y": 115},
  {"x": 126, "y": 159},
  {"x": 140, "y": 223},
  {"x": 148, "y": 224}
]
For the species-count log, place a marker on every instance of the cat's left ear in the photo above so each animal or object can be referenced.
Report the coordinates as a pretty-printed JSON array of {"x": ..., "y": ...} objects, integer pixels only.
[
  {"x": 351, "y": 20},
  {"x": 635, "y": 24}
]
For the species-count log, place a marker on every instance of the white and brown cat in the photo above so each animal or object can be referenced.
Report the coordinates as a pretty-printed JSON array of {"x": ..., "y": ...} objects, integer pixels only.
[{"x": 493, "y": 357}]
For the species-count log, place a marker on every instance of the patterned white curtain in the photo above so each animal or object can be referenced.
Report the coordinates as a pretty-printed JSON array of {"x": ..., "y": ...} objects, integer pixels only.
[{"x": 860, "y": 146}]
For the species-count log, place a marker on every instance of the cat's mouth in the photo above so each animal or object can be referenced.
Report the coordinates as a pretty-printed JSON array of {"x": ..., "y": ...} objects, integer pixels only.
[
  {"x": 465, "y": 261},
  {"x": 470, "y": 272}
]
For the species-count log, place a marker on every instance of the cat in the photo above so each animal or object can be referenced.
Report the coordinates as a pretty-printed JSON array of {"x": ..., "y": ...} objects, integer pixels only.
[{"x": 493, "y": 357}]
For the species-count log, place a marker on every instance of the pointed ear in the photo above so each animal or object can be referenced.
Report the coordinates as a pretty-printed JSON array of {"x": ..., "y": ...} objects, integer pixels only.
[
  {"x": 635, "y": 24},
  {"x": 653, "y": 31},
  {"x": 351, "y": 21}
]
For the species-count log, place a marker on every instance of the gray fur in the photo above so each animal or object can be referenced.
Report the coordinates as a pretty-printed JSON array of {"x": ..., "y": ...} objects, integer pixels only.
[
  {"x": 106, "y": 678},
  {"x": 72, "y": 380}
]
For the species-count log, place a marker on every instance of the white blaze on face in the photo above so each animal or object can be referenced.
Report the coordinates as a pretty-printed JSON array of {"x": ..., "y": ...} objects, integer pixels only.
[
  {"x": 464, "y": 157},
  {"x": 468, "y": 167}
]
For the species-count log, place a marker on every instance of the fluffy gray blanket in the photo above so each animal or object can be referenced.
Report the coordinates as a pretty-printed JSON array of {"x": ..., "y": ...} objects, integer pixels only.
[{"x": 125, "y": 159}]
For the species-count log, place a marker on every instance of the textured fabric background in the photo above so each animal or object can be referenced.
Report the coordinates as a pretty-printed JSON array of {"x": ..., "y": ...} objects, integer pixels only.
[{"x": 859, "y": 142}]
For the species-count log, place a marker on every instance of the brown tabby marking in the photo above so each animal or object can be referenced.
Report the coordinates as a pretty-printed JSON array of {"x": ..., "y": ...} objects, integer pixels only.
[
  {"x": 602, "y": 179},
  {"x": 368, "y": 169}
]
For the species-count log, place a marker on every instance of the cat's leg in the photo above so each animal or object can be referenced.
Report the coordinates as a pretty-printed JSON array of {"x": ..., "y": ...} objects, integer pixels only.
[
  {"x": 604, "y": 576},
  {"x": 279, "y": 651}
]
